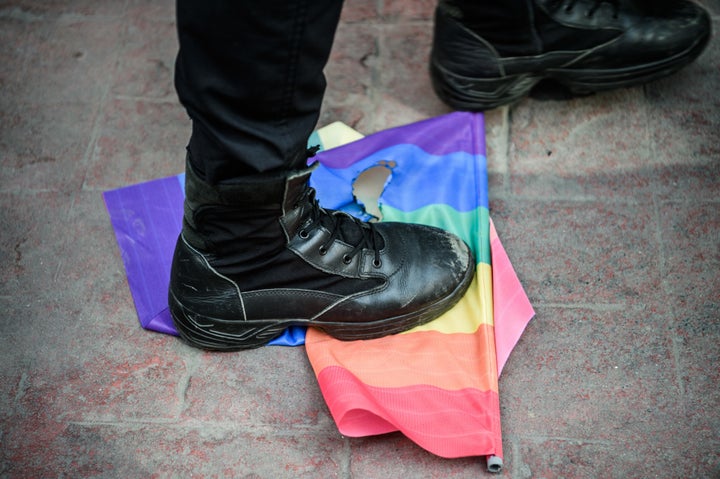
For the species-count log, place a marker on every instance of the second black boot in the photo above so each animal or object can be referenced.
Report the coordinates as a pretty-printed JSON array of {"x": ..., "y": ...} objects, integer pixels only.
[
  {"x": 488, "y": 53},
  {"x": 260, "y": 255}
]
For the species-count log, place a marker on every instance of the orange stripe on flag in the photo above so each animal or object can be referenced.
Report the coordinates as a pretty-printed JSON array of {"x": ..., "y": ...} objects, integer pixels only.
[{"x": 446, "y": 361}]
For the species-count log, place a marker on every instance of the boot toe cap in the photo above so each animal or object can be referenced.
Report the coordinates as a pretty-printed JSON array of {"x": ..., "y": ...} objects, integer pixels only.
[{"x": 433, "y": 266}]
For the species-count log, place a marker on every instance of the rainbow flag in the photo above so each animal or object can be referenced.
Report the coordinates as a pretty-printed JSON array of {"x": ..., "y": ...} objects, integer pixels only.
[{"x": 437, "y": 384}]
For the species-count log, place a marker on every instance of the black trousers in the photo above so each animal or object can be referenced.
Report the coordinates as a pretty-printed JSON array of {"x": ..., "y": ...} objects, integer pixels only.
[{"x": 250, "y": 75}]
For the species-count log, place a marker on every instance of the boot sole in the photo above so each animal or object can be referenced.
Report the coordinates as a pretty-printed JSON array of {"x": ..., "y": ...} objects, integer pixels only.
[
  {"x": 217, "y": 334},
  {"x": 479, "y": 94}
]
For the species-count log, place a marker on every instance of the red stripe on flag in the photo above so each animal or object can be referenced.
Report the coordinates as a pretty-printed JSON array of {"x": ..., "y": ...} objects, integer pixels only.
[
  {"x": 448, "y": 361},
  {"x": 457, "y": 423}
]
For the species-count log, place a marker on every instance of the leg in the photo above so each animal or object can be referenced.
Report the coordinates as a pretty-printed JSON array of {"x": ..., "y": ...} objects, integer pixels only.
[
  {"x": 250, "y": 75},
  {"x": 257, "y": 254},
  {"x": 488, "y": 53}
]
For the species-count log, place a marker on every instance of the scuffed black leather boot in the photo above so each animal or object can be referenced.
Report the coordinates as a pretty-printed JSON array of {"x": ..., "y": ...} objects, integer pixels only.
[
  {"x": 489, "y": 53},
  {"x": 261, "y": 255}
]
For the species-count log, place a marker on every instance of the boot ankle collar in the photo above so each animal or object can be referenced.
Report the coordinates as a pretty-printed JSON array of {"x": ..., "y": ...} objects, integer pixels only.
[{"x": 264, "y": 190}]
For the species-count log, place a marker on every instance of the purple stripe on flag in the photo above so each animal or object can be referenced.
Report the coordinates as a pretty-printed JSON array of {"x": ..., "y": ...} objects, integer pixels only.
[
  {"x": 466, "y": 130},
  {"x": 147, "y": 219}
]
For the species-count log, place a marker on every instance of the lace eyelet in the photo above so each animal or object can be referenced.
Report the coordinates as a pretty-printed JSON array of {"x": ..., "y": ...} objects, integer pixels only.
[
  {"x": 377, "y": 263},
  {"x": 303, "y": 234},
  {"x": 347, "y": 259},
  {"x": 323, "y": 251}
]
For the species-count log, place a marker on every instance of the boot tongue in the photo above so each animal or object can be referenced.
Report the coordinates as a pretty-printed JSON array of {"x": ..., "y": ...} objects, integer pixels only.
[
  {"x": 348, "y": 229},
  {"x": 351, "y": 230}
]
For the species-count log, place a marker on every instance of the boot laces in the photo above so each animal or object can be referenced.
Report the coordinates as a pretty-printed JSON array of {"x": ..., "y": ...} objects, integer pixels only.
[{"x": 343, "y": 227}]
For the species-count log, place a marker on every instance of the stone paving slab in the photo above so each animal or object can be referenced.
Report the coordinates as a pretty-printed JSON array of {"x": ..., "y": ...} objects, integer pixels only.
[{"x": 607, "y": 205}]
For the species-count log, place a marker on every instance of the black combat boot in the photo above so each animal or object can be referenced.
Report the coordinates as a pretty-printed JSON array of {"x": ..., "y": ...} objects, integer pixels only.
[
  {"x": 260, "y": 255},
  {"x": 489, "y": 53}
]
